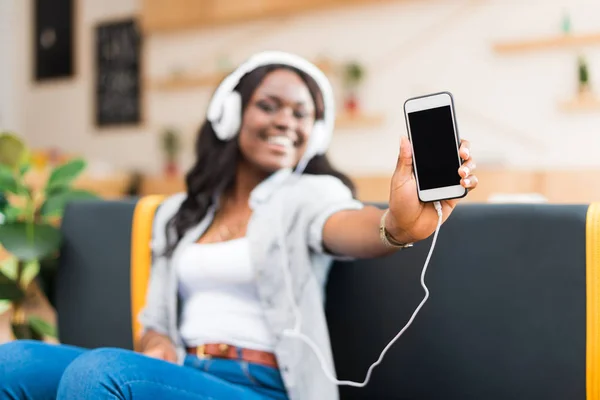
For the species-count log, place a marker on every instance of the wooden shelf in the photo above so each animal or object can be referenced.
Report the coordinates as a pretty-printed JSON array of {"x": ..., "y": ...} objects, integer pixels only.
[
  {"x": 210, "y": 80},
  {"x": 567, "y": 40},
  {"x": 586, "y": 103},
  {"x": 161, "y": 16},
  {"x": 186, "y": 82},
  {"x": 358, "y": 121}
]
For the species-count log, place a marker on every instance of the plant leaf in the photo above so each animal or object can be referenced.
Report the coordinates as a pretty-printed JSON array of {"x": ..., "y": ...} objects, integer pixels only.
[
  {"x": 3, "y": 201},
  {"x": 24, "y": 168},
  {"x": 56, "y": 190},
  {"x": 30, "y": 270},
  {"x": 13, "y": 150},
  {"x": 9, "y": 267},
  {"x": 8, "y": 182},
  {"x": 24, "y": 331},
  {"x": 55, "y": 204},
  {"x": 41, "y": 327},
  {"x": 65, "y": 174},
  {"x": 13, "y": 213},
  {"x": 43, "y": 240},
  {"x": 9, "y": 289},
  {"x": 5, "y": 305}
]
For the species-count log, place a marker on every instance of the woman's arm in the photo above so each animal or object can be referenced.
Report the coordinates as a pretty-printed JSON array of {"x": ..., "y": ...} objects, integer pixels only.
[
  {"x": 154, "y": 317},
  {"x": 355, "y": 233}
]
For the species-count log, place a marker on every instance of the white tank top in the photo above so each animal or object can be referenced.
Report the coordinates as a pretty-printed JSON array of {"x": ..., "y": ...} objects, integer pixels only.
[{"x": 220, "y": 303}]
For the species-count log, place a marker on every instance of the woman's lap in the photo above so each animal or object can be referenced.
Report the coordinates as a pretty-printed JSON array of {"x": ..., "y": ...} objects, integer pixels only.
[
  {"x": 42, "y": 371},
  {"x": 32, "y": 369}
]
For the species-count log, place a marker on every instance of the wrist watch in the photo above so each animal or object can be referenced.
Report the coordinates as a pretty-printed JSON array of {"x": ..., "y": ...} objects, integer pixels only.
[{"x": 387, "y": 239}]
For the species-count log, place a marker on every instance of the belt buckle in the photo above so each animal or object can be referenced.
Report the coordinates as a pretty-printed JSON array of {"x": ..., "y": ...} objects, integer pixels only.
[{"x": 201, "y": 352}]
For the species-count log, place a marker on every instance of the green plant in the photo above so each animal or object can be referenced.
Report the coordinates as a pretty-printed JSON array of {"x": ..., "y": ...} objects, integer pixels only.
[
  {"x": 353, "y": 75},
  {"x": 29, "y": 231},
  {"x": 566, "y": 23},
  {"x": 171, "y": 144},
  {"x": 583, "y": 72}
]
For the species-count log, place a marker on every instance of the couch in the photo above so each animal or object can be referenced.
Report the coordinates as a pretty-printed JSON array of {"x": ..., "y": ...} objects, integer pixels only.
[{"x": 513, "y": 313}]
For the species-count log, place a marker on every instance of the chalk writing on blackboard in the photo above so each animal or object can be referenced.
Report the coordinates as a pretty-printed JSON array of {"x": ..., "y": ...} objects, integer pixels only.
[{"x": 118, "y": 84}]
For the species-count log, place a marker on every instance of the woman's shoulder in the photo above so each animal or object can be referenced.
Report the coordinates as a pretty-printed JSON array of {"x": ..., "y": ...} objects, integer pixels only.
[
  {"x": 168, "y": 207},
  {"x": 166, "y": 210}
]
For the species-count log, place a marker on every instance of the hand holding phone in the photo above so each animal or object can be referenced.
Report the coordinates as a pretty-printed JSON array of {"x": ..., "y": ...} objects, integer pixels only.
[
  {"x": 428, "y": 171},
  {"x": 432, "y": 130}
]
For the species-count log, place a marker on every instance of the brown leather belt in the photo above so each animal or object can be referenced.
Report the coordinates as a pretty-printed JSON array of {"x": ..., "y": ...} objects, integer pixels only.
[{"x": 222, "y": 350}]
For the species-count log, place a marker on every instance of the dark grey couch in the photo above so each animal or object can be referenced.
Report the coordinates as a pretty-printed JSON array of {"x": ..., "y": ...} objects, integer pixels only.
[{"x": 506, "y": 317}]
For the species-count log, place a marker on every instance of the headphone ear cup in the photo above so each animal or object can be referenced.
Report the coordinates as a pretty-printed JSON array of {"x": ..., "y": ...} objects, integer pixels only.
[
  {"x": 318, "y": 141},
  {"x": 323, "y": 136},
  {"x": 229, "y": 124}
]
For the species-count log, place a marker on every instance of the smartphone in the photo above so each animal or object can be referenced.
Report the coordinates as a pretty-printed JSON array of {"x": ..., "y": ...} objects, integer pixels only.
[{"x": 432, "y": 130}]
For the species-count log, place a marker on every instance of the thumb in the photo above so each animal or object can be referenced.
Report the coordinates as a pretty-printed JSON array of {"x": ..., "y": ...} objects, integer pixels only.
[{"x": 404, "y": 165}]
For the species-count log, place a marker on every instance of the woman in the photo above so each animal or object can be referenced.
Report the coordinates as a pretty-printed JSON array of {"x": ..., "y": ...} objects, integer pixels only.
[{"x": 241, "y": 258}]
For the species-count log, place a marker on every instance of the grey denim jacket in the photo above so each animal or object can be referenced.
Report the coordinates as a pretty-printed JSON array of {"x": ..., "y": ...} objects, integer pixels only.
[{"x": 284, "y": 204}]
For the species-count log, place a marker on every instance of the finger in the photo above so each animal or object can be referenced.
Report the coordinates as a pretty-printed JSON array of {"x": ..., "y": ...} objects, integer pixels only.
[
  {"x": 467, "y": 169},
  {"x": 404, "y": 165},
  {"x": 465, "y": 149},
  {"x": 470, "y": 182},
  {"x": 448, "y": 206}
]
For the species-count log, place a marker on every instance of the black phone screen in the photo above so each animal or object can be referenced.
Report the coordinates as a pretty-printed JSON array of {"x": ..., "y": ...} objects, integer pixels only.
[{"x": 434, "y": 147}]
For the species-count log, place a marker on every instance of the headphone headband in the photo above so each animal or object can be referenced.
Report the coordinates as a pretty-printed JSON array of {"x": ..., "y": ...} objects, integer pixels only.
[{"x": 224, "y": 110}]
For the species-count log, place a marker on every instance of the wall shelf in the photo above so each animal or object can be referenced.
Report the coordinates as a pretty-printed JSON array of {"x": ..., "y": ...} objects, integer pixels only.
[
  {"x": 561, "y": 41},
  {"x": 162, "y": 16},
  {"x": 211, "y": 80},
  {"x": 185, "y": 82},
  {"x": 583, "y": 103},
  {"x": 358, "y": 121}
]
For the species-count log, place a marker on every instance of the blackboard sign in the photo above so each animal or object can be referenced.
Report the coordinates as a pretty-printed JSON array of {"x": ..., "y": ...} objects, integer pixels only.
[
  {"x": 54, "y": 39},
  {"x": 118, "y": 80}
]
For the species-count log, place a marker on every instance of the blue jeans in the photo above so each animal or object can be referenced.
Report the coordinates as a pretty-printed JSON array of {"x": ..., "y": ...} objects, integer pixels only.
[{"x": 38, "y": 371}]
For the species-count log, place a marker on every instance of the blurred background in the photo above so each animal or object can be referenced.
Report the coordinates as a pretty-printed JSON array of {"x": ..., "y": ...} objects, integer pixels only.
[
  {"x": 108, "y": 96},
  {"x": 124, "y": 84}
]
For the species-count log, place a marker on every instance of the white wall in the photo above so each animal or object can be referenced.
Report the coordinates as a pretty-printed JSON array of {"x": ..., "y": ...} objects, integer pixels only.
[
  {"x": 9, "y": 96},
  {"x": 506, "y": 104}
]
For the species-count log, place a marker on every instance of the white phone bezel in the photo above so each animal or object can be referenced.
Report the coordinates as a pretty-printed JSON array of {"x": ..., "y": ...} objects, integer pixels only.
[{"x": 425, "y": 103}]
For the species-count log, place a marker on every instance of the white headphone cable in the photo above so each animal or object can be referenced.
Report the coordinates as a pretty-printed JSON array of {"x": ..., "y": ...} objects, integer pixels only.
[{"x": 298, "y": 322}]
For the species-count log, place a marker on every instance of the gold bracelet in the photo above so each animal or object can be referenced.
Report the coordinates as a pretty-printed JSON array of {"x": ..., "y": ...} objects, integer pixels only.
[{"x": 386, "y": 238}]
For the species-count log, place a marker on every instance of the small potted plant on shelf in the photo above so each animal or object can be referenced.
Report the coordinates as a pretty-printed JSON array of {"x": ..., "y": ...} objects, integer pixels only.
[
  {"x": 171, "y": 144},
  {"x": 583, "y": 77},
  {"x": 566, "y": 23},
  {"x": 29, "y": 236},
  {"x": 353, "y": 76}
]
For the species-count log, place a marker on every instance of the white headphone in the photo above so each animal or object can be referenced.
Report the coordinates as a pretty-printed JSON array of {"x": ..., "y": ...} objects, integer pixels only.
[{"x": 225, "y": 108}]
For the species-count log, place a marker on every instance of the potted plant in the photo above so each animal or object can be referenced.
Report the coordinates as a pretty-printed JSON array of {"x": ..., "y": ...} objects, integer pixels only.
[
  {"x": 566, "y": 22},
  {"x": 353, "y": 76},
  {"x": 171, "y": 144},
  {"x": 583, "y": 76},
  {"x": 29, "y": 234}
]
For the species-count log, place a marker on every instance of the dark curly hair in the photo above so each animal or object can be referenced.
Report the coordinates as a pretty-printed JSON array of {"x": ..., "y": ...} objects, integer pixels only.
[{"x": 216, "y": 160}]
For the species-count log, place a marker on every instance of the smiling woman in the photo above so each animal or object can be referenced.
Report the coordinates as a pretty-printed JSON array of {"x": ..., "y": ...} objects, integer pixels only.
[
  {"x": 279, "y": 106},
  {"x": 243, "y": 256},
  {"x": 278, "y": 121}
]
